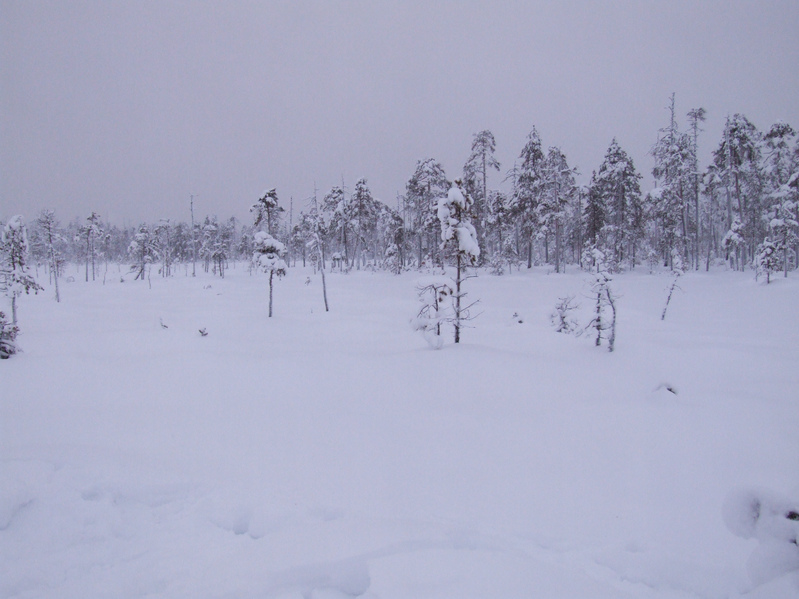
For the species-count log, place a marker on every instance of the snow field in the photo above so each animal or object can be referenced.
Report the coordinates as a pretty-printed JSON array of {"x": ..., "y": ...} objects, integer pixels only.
[{"x": 334, "y": 454}]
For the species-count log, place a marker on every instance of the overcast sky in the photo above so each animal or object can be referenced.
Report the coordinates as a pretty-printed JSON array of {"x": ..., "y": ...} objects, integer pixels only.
[{"x": 128, "y": 108}]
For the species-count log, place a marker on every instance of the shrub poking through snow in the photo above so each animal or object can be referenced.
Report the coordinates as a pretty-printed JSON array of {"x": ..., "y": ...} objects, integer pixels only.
[
  {"x": 268, "y": 256},
  {"x": 678, "y": 271},
  {"x": 774, "y": 522},
  {"x": 603, "y": 323},
  {"x": 459, "y": 236},
  {"x": 8, "y": 337},
  {"x": 435, "y": 294},
  {"x": 562, "y": 318}
]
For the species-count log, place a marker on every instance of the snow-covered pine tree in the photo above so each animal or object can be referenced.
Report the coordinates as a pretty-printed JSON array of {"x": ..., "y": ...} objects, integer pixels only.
[
  {"x": 317, "y": 228},
  {"x": 426, "y": 185},
  {"x": 459, "y": 238},
  {"x": 48, "y": 227},
  {"x": 336, "y": 206},
  {"x": 94, "y": 231},
  {"x": 498, "y": 221},
  {"x": 268, "y": 256},
  {"x": 144, "y": 250},
  {"x": 364, "y": 210},
  {"x": 669, "y": 200},
  {"x": 696, "y": 116},
  {"x": 781, "y": 174},
  {"x": 475, "y": 179},
  {"x": 267, "y": 211},
  {"x": 391, "y": 238},
  {"x": 594, "y": 217},
  {"x": 737, "y": 161},
  {"x": 165, "y": 240},
  {"x": 559, "y": 189},
  {"x": 15, "y": 277}
]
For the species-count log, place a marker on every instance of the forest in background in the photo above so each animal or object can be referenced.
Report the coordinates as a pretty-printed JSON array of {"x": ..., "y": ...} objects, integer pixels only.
[{"x": 740, "y": 210}]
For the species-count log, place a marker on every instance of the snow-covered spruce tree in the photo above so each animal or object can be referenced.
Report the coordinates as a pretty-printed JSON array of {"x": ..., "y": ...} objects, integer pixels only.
[
  {"x": 459, "y": 238},
  {"x": 601, "y": 292},
  {"x": 391, "y": 259},
  {"x": 766, "y": 259},
  {"x": 364, "y": 210},
  {"x": 528, "y": 188},
  {"x": 92, "y": 231},
  {"x": 677, "y": 270},
  {"x": 268, "y": 256},
  {"x": 15, "y": 277},
  {"x": 615, "y": 207}
]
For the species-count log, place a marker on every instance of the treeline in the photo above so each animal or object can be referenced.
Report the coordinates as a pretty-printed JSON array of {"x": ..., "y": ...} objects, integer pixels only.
[{"x": 741, "y": 209}]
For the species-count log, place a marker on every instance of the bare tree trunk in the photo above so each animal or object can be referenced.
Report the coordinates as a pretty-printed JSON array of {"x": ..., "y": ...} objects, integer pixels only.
[
  {"x": 557, "y": 247},
  {"x": 530, "y": 252},
  {"x": 612, "y": 339},
  {"x": 324, "y": 290},
  {"x": 598, "y": 320},
  {"x": 458, "y": 299},
  {"x": 271, "y": 275}
]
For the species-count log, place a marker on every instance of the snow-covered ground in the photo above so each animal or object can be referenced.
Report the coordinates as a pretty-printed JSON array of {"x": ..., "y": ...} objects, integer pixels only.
[{"x": 328, "y": 455}]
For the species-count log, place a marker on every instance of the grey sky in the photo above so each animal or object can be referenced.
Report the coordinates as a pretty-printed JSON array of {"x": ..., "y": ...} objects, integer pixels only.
[{"x": 127, "y": 108}]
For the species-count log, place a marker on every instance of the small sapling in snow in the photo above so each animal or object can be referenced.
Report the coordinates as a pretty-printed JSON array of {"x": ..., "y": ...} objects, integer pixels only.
[
  {"x": 562, "y": 318},
  {"x": 601, "y": 292},
  {"x": 458, "y": 237},
  {"x": 268, "y": 256},
  {"x": 766, "y": 260},
  {"x": 677, "y": 271},
  {"x": 436, "y": 297}
]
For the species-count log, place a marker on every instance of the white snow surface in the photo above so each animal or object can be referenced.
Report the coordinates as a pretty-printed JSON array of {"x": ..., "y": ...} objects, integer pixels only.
[{"x": 327, "y": 455}]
